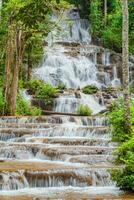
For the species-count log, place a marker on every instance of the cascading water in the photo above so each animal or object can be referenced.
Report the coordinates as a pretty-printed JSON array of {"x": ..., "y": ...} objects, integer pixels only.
[
  {"x": 106, "y": 58},
  {"x": 58, "y": 156},
  {"x": 116, "y": 81}
]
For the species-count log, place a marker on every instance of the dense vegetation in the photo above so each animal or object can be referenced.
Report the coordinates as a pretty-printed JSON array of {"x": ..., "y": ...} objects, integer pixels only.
[
  {"x": 107, "y": 27},
  {"x": 125, "y": 153}
]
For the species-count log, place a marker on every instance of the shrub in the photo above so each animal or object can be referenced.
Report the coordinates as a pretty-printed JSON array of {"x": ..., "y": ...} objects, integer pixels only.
[
  {"x": 90, "y": 89},
  {"x": 34, "y": 85},
  {"x": 47, "y": 93},
  {"x": 84, "y": 110},
  {"x": 117, "y": 121},
  {"x": 42, "y": 90},
  {"x": 125, "y": 153},
  {"x": 125, "y": 177},
  {"x": 25, "y": 109}
]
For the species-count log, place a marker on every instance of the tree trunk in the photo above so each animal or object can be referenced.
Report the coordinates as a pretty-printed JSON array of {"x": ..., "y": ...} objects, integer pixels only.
[
  {"x": 105, "y": 11},
  {"x": 18, "y": 61},
  {"x": 8, "y": 64},
  {"x": 125, "y": 64},
  {"x": 29, "y": 72}
]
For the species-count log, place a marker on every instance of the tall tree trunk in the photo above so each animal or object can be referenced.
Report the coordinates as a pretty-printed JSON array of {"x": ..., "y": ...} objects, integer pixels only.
[
  {"x": 105, "y": 11},
  {"x": 125, "y": 63},
  {"x": 17, "y": 63},
  {"x": 8, "y": 64}
]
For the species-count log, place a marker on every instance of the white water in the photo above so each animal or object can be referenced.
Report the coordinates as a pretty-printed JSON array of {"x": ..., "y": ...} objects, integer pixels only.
[
  {"x": 116, "y": 81},
  {"x": 70, "y": 104},
  {"x": 106, "y": 58},
  {"x": 74, "y": 72}
]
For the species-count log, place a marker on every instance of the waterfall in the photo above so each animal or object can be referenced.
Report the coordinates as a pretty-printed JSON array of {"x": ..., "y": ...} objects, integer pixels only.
[
  {"x": 63, "y": 60},
  {"x": 59, "y": 156},
  {"x": 69, "y": 103}
]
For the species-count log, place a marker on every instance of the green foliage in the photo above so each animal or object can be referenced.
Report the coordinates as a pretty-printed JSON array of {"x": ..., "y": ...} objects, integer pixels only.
[
  {"x": 125, "y": 153},
  {"x": 47, "y": 93},
  {"x": 112, "y": 32},
  {"x": 125, "y": 177},
  {"x": 42, "y": 90},
  {"x": 96, "y": 18},
  {"x": 25, "y": 109},
  {"x": 1, "y": 81},
  {"x": 84, "y": 110},
  {"x": 2, "y": 102},
  {"x": 22, "y": 84},
  {"x": 132, "y": 89},
  {"x": 34, "y": 85},
  {"x": 117, "y": 121},
  {"x": 90, "y": 89}
]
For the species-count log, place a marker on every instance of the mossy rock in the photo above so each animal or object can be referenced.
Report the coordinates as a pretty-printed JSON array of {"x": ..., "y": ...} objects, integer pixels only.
[{"x": 90, "y": 89}]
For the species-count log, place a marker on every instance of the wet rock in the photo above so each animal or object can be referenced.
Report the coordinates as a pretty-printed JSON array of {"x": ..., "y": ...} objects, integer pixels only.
[{"x": 77, "y": 94}]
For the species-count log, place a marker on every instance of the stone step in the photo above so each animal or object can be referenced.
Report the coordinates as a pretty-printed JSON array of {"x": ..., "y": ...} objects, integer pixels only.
[
  {"x": 44, "y": 125},
  {"x": 57, "y": 152},
  {"x": 20, "y": 134},
  {"x": 67, "y": 193},
  {"x": 80, "y": 120},
  {"x": 72, "y": 141},
  {"x": 32, "y": 174},
  {"x": 95, "y": 160},
  {"x": 49, "y": 167},
  {"x": 75, "y": 153}
]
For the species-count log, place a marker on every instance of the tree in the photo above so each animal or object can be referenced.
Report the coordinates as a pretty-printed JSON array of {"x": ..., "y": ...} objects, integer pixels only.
[
  {"x": 125, "y": 64},
  {"x": 24, "y": 19}
]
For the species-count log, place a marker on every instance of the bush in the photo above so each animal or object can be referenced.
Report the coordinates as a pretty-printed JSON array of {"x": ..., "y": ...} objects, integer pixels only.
[
  {"x": 25, "y": 109},
  {"x": 125, "y": 177},
  {"x": 47, "y": 93},
  {"x": 125, "y": 153},
  {"x": 84, "y": 110},
  {"x": 90, "y": 89},
  {"x": 34, "y": 85},
  {"x": 42, "y": 90},
  {"x": 117, "y": 121}
]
